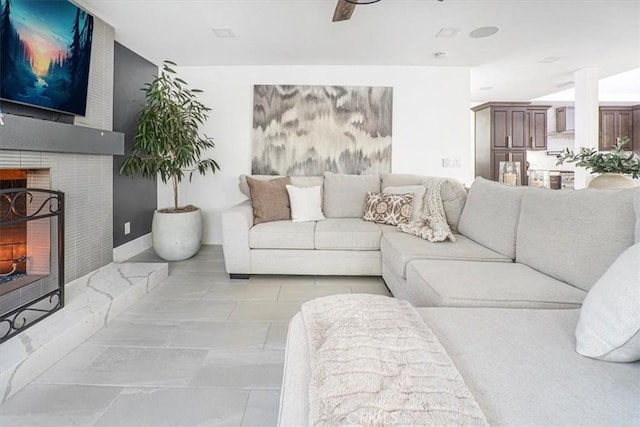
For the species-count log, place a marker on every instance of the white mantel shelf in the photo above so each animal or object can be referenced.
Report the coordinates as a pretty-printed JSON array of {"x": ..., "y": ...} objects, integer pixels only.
[{"x": 91, "y": 302}]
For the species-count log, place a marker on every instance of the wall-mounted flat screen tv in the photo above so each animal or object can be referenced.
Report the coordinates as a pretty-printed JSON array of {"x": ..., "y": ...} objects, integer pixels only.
[{"x": 45, "y": 51}]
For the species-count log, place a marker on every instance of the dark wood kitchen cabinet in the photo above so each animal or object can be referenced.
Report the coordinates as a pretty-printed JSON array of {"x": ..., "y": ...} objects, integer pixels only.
[
  {"x": 509, "y": 127},
  {"x": 537, "y": 118},
  {"x": 503, "y": 132},
  {"x": 498, "y": 156},
  {"x": 565, "y": 119},
  {"x": 615, "y": 122}
]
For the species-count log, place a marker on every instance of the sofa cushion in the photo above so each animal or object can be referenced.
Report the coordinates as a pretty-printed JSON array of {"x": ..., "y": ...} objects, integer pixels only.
[
  {"x": 575, "y": 235},
  {"x": 418, "y": 192},
  {"x": 269, "y": 199},
  {"x": 490, "y": 215},
  {"x": 298, "y": 181},
  {"x": 522, "y": 368},
  {"x": 344, "y": 194},
  {"x": 347, "y": 234},
  {"x": 392, "y": 209},
  {"x": 609, "y": 325},
  {"x": 453, "y": 193},
  {"x": 385, "y": 228},
  {"x": 486, "y": 284},
  {"x": 282, "y": 235},
  {"x": 400, "y": 179},
  {"x": 306, "y": 203},
  {"x": 400, "y": 248}
]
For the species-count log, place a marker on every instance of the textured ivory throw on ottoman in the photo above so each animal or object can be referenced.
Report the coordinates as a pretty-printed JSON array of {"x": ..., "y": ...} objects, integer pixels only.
[{"x": 375, "y": 362}]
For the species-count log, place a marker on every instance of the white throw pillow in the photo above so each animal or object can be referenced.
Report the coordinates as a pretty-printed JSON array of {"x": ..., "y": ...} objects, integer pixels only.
[
  {"x": 418, "y": 192},
  {"x": 306, "y": 203},
  {"x": 609, "y": 325}
]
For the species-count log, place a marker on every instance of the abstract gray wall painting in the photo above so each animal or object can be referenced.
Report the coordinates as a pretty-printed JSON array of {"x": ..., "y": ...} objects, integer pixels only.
[{"x": 306, "y": 130}]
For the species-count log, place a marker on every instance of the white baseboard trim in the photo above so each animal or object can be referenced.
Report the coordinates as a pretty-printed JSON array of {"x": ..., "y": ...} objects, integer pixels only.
[{"x": 134, "y": 247}]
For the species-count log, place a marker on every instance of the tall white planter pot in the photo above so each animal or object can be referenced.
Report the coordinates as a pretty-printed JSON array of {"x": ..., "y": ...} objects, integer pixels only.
[{"x": 176, "y": 236}]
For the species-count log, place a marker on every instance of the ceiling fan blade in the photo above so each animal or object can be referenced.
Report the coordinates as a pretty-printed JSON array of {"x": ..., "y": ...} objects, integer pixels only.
[{"x": 343, "y": 11}]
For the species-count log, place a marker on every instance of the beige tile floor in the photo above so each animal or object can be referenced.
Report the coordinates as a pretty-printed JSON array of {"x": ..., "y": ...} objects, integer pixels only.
[{"x": 199, "y": 349}]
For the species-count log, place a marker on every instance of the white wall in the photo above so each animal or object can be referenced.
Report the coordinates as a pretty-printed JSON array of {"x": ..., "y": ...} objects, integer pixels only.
[{"x": 430, "y": 122}]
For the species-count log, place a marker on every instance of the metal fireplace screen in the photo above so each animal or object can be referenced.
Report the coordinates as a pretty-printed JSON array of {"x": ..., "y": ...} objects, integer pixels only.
[{"x": 31, "y": 267}]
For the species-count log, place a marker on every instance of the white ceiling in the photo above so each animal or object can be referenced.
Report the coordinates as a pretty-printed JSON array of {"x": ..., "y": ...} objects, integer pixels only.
[
  {"x": 621, "y": 89},
  {"x": 588, "y": 33}
]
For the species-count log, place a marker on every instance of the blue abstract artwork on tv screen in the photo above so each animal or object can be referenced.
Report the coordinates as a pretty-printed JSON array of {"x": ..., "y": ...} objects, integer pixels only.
[{"x": 45, "y": 51}]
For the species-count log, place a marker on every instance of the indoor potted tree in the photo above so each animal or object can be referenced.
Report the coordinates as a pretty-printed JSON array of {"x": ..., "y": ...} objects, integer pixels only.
[
  {"x": 168, "y": 144},
  {"x": 615, "y": 168}
]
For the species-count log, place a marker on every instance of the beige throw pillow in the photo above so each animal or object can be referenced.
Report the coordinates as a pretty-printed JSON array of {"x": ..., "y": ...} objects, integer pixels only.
[
  {"x": 269, "y": 199},
  {"x": 306, "y": 203},
  {"x": 392, "y": 209},
  {"x": 609, "y": 325}
]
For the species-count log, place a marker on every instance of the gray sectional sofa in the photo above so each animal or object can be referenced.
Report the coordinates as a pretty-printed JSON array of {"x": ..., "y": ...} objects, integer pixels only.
[
  {"x": 515, "y": 246},
  {"x": 503, "y": 300}
]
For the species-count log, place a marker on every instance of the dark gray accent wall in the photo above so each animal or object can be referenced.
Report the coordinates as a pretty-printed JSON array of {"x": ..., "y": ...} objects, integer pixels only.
[{"x": 134, "y": 199}]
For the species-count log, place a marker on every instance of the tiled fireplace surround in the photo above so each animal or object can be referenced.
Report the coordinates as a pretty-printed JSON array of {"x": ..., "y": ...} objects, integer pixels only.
[
  {"x": 86, "y": 181},
  {"x": 96, "y": 289}
]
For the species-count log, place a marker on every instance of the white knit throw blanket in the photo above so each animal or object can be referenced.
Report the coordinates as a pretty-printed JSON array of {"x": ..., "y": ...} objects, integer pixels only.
[
  {"x": 374, "y": 362},
  {"x": 433, "y": 224}
]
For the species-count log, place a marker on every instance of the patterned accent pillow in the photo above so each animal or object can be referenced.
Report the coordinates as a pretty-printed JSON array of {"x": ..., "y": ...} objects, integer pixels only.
[{"x": 392, "y": 209}]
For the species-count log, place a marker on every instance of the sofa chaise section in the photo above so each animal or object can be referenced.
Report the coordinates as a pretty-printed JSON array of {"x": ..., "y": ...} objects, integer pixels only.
[
  {"x": 522, "y": 368},
  {"x": 519, "y": 364}
]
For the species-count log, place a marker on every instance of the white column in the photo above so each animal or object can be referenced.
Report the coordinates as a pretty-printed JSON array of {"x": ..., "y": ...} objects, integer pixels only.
[{"x": 586, "y": 104}]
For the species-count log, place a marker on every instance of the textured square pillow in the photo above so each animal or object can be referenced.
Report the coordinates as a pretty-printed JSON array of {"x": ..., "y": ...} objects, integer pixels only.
[
  {"x": 306, "y": 203},
  {"x": 418, "y": 192},
  {"x": 609, "y": 325},
  {"x": 392, "y": 209},
  {"x": 269, "y": 199}
]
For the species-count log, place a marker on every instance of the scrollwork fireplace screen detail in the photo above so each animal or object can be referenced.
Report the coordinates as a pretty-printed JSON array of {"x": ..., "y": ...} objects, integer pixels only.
[{"x": 31, "y": 285}]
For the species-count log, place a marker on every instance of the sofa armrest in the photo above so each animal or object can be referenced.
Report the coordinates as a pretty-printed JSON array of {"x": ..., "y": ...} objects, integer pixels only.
[{"x": 236, "y": 223}]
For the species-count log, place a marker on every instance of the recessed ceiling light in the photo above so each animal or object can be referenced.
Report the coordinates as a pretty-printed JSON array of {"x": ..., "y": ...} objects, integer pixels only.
[
  {"x": 440, "y": 55},
  {"x": 447, "y": 32},
  {"x": 486, "y": 88},
  {"x": 223, "y": 33},
  {"x": 481, "y": 32},
  {"x": 549, "y": 60}
]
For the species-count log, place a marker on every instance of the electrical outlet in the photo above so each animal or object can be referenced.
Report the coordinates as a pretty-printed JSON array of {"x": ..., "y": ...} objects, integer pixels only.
[{"x": 127, "y": 228}]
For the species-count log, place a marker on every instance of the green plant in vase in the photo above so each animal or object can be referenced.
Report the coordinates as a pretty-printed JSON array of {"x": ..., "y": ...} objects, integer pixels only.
[
  {"x": 168, "y": 144},
  {"x": 615, "y": 166}
]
